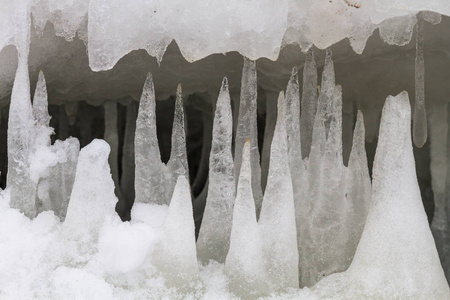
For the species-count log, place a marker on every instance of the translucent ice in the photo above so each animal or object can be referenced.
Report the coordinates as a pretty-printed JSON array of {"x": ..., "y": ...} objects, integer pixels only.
[
  {"x": 396, "y": 237},
  {"x": 214, "y": 237},
  {"x": 175, "y": 257},
  {"x": 420, "y": 115},
  {"x": 244, "y": 264},
  {"x": 177, "y": 165},
  {"x": 277, "y": 219},
  {"x": 150, "y": 171},
  {"x": 40, "y": 113},
  {"x": 247, "y": 128}
]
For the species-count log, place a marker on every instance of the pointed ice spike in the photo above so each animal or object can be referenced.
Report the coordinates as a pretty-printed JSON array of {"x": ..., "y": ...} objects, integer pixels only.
[
  {"x": 244, "y": 264},
  {"x": 175, "y": 257},
  {"x": 177, "y": 164},
  {"x": 360, "y": 187},
  {"x": 438, "y": 168},
  {"x": 214, "y": 237},
  {"x": 271, "y": 119},
  {"x": 128, "y": 164},
  {"x": 420, "y": 114},
  {"x": 277, "y": 219},
  {"x": 111, "y": 136},
  {"x": 40, "y": 104},
  {"x": 247, "y": 128},
  {"x": 149, "y": 171},
  {"x": 20, "y": 143},
  {"x": 309, "y": 102},
  {"x": 92, "y": 199}
]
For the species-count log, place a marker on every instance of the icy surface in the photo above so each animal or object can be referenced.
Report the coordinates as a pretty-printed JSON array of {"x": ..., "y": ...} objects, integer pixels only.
[
  {"x": 247, "y": 129},
  {"x": 244, "y": 263},
  {"x": 277, "y": 219},
  {"x": 396, "y": 237},
  {"x": 150, "y": 171},
  {"x": 214, "y": 237}
]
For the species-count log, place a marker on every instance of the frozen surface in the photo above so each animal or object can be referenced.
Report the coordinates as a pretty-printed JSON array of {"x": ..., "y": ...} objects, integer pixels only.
[{"x": 214, "y": 237}]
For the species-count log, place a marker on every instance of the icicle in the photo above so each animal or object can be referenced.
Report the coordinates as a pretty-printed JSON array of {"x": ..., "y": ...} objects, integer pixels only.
[
  {"x": 128, "y": 164},
  {"x": 360, "y": 187},
  {"x": 244, "y": 264},
  {"x": 438, "y": 168},
  {"x": 92, "y": 199},
  {"x": 175, "y": 257},
  {"x": 271, "y": 119},
  {"x": 214, "y": 237},
  {"x": 112, "y": 138},
  {"x": 247, "y": 128},
  {"x": 277, "y": 220},
  {"x": 40, "y": 104},
  {"x": 177, "y": 164},
  {"x": 309, "y": 102},
  {"x": 420, "y": 114},
  {"x": 149, "y": 171}
]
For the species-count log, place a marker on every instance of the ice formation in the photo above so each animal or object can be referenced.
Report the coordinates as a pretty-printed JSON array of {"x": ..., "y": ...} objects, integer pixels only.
[{"x": 290, "y": 210}]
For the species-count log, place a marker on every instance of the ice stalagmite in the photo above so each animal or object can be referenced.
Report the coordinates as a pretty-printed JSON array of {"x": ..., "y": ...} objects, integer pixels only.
[
  {"x": 309, "y": 102},
  {"x": 396, "y": 256},
  {"x": 277, "y": 219},
  {"x": 438, "y": 168},
  {"x": 420, "y": 114},
  {"x": 244, "y": 264},
  {"x": 40, "y": 113},
  {"x": 128, "y": 164},
  {"x": 92, "y": 199},
  {"x": 247, "y": 128},
  {"x": 177, "y": 164},
  {"x": 175, "y": 256},
  {"x": 359, "y": 189},
  {"x": 111, "y": 136},
  {"x": 214, "y": 237},
  {"x": 150, "y": 170}
]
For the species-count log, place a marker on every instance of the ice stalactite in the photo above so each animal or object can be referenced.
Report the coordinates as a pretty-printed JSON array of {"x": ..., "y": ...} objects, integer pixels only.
[
  {"x": 128, "y": 164},
  {"x": 177, "y": 164},
  {"x": 214, "y": 237},
  {"x": 244, "y": 264},
  {"x": 92, "y": 200},
  {"x": 271, "y": 119},
  {"x": 175, "y": 256},
  {"x": 309, "y": 102},
  {"x": 247, "y": 128},
  {"x": 323, "y": 237},
  {"x": 111, "y": 136},
  {"x": 420, "y": 114},
  {"x": 150, "y": 170},
  {"x": 396, "y": 237},
  {"x": 277, "y": 219},
  {"x": 359, "y": 189},
  {"x": 438, "y": 168}
]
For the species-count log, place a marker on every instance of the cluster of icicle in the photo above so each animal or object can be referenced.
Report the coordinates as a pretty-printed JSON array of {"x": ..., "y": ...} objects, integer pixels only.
[{"x": 315, "y": 218}]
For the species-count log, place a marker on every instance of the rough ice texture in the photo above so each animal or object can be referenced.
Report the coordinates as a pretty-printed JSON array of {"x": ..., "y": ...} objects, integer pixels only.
[
  {"x": 177, "y": 165},
  {"x": 214, "y": 237},
  {"x": 175, "y": 257},
  {"x": 277, "y": 219},
  {"x": 244, "y": 264},
  {"x": 396, "y": 254},
  {"x": 420, "y": 115},
  {"x": 247, "y": 129},
  {"x": 150, "y": 170},
  {"x": 92, "y": 200}
]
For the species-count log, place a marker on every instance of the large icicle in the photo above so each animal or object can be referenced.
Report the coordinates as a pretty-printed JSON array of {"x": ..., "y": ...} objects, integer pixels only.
[
  {"x": 420, "y": 114},
  {"x": 309, "y": 102},
  {"x": 111, "y": 136},
  {"x": 244, "y": 264},
  {"x": 438, "y": 168},
  {"x": 92, "y": 199},
  {"x": 247, "y": 128},
  {"x": 177, "y": 164},
  {"x": 396, "y": 254},
  {"x": 175, "y": 257},
  {"x": 277, "y": 219},
  {"x": 360, "y": 187},
  {"x": 149, "y": 171},
  {"x": 214, "y": 237}
]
